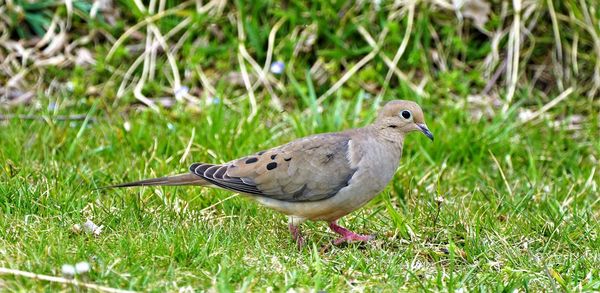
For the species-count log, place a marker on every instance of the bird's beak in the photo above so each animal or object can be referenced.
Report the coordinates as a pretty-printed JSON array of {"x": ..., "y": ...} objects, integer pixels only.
[{"x": 425, "y": 131}]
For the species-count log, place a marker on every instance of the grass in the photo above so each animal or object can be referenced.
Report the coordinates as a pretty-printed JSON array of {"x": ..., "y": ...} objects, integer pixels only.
[
  {"x": 538, "y": 229},
  {"x": 505, "y": 199}
]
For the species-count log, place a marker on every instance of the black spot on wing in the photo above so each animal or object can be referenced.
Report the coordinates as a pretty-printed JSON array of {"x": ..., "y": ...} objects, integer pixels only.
[
  {"x": 251, "y": 160},
  {"x": 301, "y": 192},
  {"x": 328, "y": 158},
  {"x": 273, "y": 156},
  {"x": 271, "y": 166}
]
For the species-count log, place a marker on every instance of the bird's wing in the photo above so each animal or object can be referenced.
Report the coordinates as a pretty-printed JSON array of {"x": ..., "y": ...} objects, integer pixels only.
[{"x": 308, "y": 169}]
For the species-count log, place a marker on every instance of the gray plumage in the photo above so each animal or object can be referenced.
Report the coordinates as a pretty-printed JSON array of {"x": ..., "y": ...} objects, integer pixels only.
[{"x": 319, "y": 177}]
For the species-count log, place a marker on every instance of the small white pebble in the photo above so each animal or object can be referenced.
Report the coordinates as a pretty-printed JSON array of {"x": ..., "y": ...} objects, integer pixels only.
[
  {"x": 525, "y": 115},
  {"x": 76, "y": 228},
  {"x": 277, "y": 67},
  {"x": 82, "y": 267},
  {"x": 547, "y": 188},
  {"x": 68, "y": 270},
  {"x": 127, "y": 126},
  {"x": 70, "y": 86}
]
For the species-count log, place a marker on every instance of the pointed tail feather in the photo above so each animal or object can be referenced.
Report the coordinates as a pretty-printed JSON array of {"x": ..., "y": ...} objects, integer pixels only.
[{"x": 175, "y": 180}]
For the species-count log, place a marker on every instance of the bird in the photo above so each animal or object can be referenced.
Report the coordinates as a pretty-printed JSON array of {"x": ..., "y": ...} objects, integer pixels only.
[{"x": 322, "y": 177}]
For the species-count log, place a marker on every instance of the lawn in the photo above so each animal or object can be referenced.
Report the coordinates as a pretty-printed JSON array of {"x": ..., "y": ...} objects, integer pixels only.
[{"x": 506, "y": 198}]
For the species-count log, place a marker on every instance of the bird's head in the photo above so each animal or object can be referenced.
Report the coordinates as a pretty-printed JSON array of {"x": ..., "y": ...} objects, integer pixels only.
[{"x": 401, "y": 117}]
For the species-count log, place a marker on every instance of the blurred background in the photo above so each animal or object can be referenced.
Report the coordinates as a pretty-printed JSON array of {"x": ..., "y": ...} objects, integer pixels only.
[
  {"x": 488, "y": 55},
  {"x": 94, "y": 93}
]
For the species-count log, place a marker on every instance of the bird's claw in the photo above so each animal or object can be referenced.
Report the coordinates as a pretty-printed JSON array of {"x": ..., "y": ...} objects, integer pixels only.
[
  {"x": 353, "y": 237},
  {"x": 347, "y": 235}
]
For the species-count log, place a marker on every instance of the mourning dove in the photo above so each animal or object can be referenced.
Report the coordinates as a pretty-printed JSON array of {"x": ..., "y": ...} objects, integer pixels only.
[{"x": 319, "y": 177}]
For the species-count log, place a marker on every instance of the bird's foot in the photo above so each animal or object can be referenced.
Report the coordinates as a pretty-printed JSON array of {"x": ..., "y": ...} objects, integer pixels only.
[
  {"x": 353, "y": 238},
  {"x": 295, "y": 231},
  {"x": 347, "y": 235}
]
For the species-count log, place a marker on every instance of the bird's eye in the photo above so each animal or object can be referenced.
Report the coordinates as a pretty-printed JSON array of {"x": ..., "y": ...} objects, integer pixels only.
[{"x": 406, "y": 114}]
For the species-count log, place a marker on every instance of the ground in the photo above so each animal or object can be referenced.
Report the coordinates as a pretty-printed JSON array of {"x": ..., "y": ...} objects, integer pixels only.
[{"x": 496, "y": 204}]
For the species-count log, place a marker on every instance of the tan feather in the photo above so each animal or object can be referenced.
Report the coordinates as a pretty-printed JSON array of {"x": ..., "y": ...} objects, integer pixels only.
[{"x": 320, "y": 177}]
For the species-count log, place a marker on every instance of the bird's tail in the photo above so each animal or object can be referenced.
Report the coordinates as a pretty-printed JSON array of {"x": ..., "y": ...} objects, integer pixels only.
[{"x": 175, "y": 180}]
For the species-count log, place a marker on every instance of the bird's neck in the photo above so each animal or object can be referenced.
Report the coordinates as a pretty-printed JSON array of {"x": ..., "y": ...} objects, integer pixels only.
[{"x": 387, "y": 135}]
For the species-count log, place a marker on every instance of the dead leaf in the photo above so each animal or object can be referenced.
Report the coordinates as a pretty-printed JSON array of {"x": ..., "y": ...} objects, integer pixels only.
[
  {"x": 84, "y": 57},
  {"x": 478, "y": 11},
  {"x": 91, "y": 228},
  {"x": 52, "y": 61}
]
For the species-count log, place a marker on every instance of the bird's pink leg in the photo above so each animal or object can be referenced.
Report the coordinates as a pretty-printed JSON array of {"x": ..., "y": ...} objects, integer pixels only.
[
  {"x": 295, "y": 230},
  {"x": 347, "y": 235}
]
